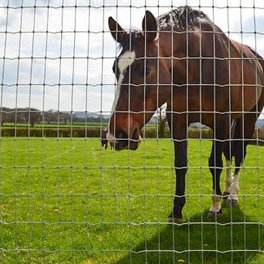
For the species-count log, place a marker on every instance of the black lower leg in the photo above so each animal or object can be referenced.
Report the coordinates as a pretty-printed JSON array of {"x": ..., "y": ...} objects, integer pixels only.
[
  {"x": 216, "y": 166},
  {"x": 240, "y": 154},
  {"x": 179, "y": 199},
  {"x": 180, "y": 169}
]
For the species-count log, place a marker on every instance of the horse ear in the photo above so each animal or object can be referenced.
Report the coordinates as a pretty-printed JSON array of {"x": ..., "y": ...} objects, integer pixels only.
[
  {"x": 149, "y": 26},
  {"x": 117, "y": 31}
]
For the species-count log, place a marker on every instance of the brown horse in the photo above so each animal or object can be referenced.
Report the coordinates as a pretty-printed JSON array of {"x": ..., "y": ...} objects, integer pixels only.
[{"x": 183, "y": 59}]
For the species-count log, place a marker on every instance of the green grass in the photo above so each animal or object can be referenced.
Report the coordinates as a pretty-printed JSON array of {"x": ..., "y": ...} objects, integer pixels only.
[{"x": 68, "y": 201}]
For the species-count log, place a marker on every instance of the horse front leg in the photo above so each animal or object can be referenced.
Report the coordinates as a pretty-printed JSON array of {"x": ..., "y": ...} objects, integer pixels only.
[
  {"x": 216, "y": 166},
  {"x": 180, "y": 150}
]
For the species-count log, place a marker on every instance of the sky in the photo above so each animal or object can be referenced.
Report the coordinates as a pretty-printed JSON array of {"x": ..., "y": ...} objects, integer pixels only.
[{"x": 60, "y": 58}]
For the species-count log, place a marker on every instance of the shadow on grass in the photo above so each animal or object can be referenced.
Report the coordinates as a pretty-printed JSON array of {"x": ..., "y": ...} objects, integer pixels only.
[{"x": 231, "y": 238}]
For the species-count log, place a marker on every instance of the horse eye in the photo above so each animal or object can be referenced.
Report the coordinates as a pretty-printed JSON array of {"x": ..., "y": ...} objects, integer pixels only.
[{"x": 115, "y": 70}]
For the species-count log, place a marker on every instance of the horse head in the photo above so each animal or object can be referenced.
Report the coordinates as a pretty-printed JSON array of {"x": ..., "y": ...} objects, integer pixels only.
[{"x": 141, "y": 75}]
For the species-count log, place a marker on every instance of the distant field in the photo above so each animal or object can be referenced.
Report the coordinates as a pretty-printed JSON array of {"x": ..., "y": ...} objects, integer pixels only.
[
  {"x": 56, "y": 124},
  {"x": 63, "y": 125},
  {"x": 64, "y": 200}
]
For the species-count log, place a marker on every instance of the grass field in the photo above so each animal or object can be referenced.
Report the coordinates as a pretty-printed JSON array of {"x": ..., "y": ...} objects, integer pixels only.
[{"x": 68, "y": 201}]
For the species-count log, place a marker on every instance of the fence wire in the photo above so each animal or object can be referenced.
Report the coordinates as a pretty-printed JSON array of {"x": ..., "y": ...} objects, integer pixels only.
[{"x": 63, "y": 198}]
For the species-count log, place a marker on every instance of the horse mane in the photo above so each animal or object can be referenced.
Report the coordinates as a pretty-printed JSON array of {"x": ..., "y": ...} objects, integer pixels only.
[{"x": 185, "y": 18}]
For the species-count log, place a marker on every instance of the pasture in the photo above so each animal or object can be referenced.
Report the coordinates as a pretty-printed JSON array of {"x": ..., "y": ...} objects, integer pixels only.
[{"x": 64, "y": 200}]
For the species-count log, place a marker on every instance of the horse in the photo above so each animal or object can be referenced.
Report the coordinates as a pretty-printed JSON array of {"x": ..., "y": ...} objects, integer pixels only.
[{"x": 185, "y": 60}]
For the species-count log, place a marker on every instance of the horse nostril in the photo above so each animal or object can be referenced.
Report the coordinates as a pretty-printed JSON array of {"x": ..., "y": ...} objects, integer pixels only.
[{"x": 136, "y": 135}]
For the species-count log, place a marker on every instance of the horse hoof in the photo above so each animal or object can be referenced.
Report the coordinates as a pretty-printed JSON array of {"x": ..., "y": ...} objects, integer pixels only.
[
  {"x": 231, "y": 202},
  {"x": 215, "y": 214},
  {"x": 226, "y": 194},
  {"x": 175, "y": 220}
]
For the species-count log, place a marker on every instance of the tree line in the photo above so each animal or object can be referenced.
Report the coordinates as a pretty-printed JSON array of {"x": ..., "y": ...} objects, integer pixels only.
[{"x": 34, "y": 116}]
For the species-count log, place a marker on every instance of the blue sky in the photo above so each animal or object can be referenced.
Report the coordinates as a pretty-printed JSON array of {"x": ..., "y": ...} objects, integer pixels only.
[{"x": 86, "y": 83}]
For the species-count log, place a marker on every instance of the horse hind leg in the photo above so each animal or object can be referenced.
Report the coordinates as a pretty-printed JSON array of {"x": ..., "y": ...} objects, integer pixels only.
[
  {"x": 232, "y": 199},
  {"x": 229, "y": 176},
  {"x": 232, "y": 181},
  {"x": 228, "y": 179},
  {"x": 243, "y": 132},
  {"x": 239, "y": 154}
]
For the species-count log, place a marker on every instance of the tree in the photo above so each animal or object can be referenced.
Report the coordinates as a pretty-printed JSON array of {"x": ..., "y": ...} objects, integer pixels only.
[
  {"x": 51, "y": 116},
  {"x": 29, "y": 115},
  {"x": 7, "y": 115},
  {"x": 35, "y": 116},
  {"x": 66, "y": 117}
]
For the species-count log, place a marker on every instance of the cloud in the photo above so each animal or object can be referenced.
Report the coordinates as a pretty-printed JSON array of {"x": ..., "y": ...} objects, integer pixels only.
[{"x": 250, "y": 31}]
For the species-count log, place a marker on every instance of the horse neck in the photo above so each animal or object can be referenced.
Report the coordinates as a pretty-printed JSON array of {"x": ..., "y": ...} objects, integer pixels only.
[{"x": 174, "y": 45}]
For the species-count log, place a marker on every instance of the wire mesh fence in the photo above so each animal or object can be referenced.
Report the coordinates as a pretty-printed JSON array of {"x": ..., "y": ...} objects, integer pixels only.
[{"x": 73, "y": 80}]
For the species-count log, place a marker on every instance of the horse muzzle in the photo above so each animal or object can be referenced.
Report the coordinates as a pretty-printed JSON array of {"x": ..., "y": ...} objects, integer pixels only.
[{"x": 120, "y": 140}]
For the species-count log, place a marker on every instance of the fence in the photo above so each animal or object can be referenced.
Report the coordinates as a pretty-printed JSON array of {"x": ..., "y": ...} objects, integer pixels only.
[{"x": 64, "y": 199}]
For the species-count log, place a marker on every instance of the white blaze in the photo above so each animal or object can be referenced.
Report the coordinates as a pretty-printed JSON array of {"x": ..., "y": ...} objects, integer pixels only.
[{"x": 125, "y": 60}]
